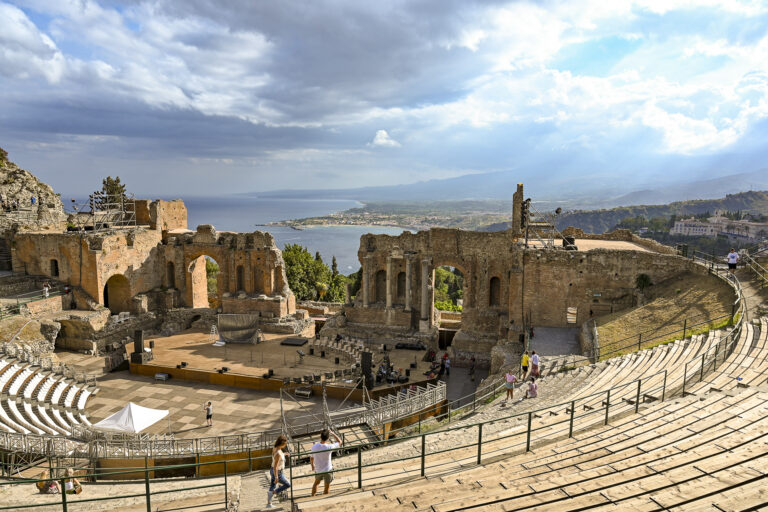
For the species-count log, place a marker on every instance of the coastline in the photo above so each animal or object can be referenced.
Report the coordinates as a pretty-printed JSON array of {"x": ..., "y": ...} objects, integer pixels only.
[{"x": 300, "y": 227}]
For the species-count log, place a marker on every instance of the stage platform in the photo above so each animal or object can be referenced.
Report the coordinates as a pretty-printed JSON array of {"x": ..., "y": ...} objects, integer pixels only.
[{"x": 197, "y": 350}]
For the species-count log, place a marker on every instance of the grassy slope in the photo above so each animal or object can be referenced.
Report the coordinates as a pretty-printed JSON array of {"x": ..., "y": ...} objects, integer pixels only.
[{"x": 661, "y": 318}]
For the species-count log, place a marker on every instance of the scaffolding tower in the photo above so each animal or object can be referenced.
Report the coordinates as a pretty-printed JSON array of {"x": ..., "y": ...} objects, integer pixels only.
[{"x": 104, "y": 211}]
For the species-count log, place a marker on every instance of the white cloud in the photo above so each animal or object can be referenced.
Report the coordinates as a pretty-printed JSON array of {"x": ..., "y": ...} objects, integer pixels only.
[
  {"x": 382, "y": 139},
  {"x": 24, "y": 50}
]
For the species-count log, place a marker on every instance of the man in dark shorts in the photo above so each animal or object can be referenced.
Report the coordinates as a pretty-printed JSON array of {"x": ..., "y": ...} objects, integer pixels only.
[
  {"x": 733, "y": 260},
  {"x": 209, "y": 414},
  {"x": 525, "y": 363}
]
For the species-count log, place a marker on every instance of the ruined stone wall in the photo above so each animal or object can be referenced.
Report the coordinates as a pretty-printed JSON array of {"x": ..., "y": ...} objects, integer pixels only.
[
  {"x": 251, "y": 268},
  {"x": 44, "y": 306},
  {"x": 545, "y": 283},
  {"x": 504, "y": 284},
  {"x": 162, "y": 215}
]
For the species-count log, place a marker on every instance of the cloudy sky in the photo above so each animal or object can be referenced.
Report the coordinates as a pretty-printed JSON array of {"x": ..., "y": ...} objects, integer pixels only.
[{"x": 205, "y": 96}]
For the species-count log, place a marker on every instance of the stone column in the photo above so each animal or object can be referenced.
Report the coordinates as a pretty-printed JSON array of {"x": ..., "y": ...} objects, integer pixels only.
[
  {"x": 364, "y": 282},
  {"x": 389, "y": 282},
  {"x": 425, "y": 289},
  {"x": 408, "y": 282}
]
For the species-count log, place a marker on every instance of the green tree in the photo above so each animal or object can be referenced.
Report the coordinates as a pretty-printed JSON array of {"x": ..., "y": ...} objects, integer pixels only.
[
  {"x": 211, "y": 273},
  {"x": 355, "y": 280},
  {"x": 643, "y": 281},
  {"x": 334, "y": 267},
  {"x": 311, "y": 279},
  {"x": 337, "y": 289},
  {"x": 113, "y": 190}
]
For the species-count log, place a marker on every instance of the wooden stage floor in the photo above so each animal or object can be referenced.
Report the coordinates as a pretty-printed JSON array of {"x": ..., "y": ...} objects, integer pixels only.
[{"x": 196, "y": 349}]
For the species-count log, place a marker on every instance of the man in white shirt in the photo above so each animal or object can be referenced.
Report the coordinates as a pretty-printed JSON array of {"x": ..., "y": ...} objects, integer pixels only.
[
  {"x": 321, "y": 460},
  {"x": 733, "y": 260}
]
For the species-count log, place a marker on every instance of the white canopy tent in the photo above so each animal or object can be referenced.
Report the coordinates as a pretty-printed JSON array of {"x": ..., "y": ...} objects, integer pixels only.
[{"x": 131, "y": 419}]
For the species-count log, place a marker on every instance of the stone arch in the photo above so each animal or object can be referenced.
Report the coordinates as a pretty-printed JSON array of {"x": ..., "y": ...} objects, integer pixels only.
[
  {"x": 170, "y": 274},
  {"x": 494, "y": 292},
  {"x": 198, "y": 291},
  {"x": 117, "y": 294},
  {"x": 400, "y": 289},
  {"x": 381, "y": 286}
]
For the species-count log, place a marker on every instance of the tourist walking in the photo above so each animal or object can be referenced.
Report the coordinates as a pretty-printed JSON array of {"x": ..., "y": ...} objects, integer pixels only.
[
  {"x": 277, "y": 469},
  {"x": 525, "y": 362},
  {"x": 447, "y": 367},
  {"x": 534, "y": 364},
  {"x": 510, "y": 385},
  {"x": 321, "y": 460},
  {"x": 208, "y": 414},
  {"x": 533, "y": 389},
  {"x": 472, "y": 369},
  {"x": 733, "y": 260}
]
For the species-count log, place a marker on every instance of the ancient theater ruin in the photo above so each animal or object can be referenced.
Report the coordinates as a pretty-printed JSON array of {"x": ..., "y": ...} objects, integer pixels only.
[{"x": 117, "y": 307}]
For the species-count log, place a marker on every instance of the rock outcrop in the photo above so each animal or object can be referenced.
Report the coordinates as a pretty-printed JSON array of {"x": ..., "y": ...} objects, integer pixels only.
[{"x": 16, "y": 184}]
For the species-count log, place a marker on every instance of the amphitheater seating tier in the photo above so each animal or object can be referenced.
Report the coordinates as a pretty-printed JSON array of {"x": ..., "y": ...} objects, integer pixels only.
[
  {"x": 706, "y": 450},
  {"x": 34, "y": 402}
]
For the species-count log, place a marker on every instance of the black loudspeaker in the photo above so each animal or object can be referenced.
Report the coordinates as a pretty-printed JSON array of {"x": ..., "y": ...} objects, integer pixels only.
[
  {"x": 367, "y": 361},
  {"x": 138, "y": 341},
  {"x": 311, "y": 351},
  {"x": 336, "y": 360},
  {"x": 521, "y": 337},
  {"x": 322, "y": 353},
  {"x": 407, "y": 372},
  {"x": 224, "y": 369},
  {"x": 183, "y": 364},
  {"x": 139, "y": 358},
  {"x": 271, "y": 372},
  {"x": 151, "y": 343}
]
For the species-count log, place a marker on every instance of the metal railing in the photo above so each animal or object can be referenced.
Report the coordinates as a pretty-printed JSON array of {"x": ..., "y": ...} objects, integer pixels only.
[
  {"x": 757, "y": 268},
  {"x": 581, "y": 413},
  {"x": 690, "y": 325},
  {"x": 84, "y": 444},
  {"x": 65, "y": 500}
]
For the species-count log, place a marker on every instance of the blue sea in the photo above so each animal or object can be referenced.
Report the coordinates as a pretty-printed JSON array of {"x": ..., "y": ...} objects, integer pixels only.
[{"x": 244, "y": 214}]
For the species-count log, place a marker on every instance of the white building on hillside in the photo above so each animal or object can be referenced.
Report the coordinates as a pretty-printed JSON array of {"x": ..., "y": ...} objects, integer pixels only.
[
  {"x": 713, "y": 226},
  {"x": 693, "y": 227}
]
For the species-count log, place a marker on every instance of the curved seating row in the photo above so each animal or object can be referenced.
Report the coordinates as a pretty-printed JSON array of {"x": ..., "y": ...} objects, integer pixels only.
[
  {"x": 709, "y": 444},
  {"x": 34, "y": 401}
]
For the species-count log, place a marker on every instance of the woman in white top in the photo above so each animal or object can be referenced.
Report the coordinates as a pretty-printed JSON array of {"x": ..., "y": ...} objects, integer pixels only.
[
  {"x": 276, "y": 470},
  {"x": 534, "y": 364},
  {"x": 72, "y": 484}
]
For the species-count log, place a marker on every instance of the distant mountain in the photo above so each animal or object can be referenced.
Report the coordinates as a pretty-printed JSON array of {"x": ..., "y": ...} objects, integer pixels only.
[
  {"x": 604, "y": 190},
  {"x": 700, "y": 189},
  {"x": 600, "y": 221}
]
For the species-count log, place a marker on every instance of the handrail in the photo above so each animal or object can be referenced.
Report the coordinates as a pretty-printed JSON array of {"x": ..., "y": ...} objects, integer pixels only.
[
  {"x": 707, "y": 260},
  {"x": 623, "y": 404}
]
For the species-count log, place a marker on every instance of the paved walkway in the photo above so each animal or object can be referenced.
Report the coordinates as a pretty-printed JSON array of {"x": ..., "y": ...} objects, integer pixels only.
[
  {"x": 555, "y": 341},
  {"x": 755, "y": 295},
  {"x": 235, "y": 410},
  {"x": 460, "y": 385}
]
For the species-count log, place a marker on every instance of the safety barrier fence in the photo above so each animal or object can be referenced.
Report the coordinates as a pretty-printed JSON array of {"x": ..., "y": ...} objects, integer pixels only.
[
  {"x": 85, "y": 444},
  {"x": 688, "y": 327},
  {"x": 578, "y": 414},
  {"x": 757, "y": 269}
]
